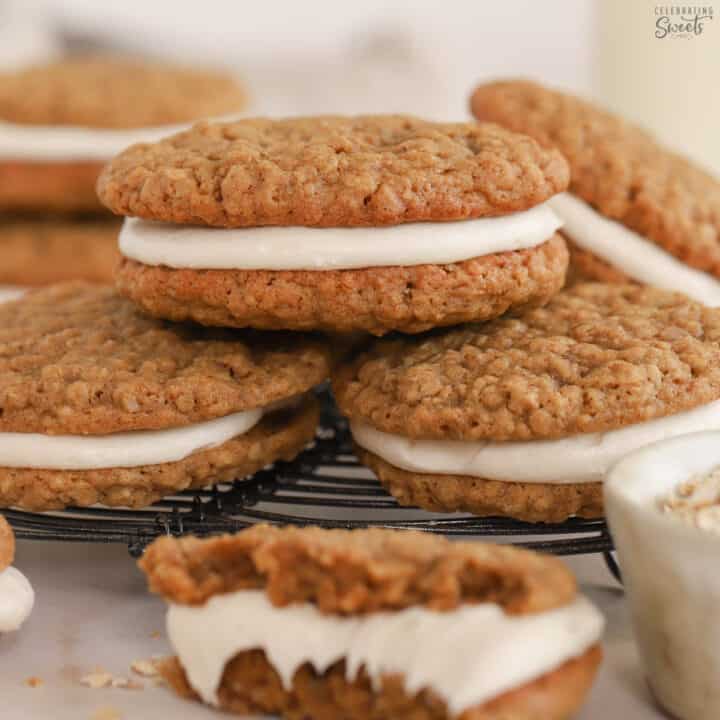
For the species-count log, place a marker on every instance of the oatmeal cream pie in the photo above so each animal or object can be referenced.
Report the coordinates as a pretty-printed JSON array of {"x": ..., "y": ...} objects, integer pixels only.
[
  {"x": 100, "y": 404},
  {"x": 523, "y": 416},
  {"x": 342, "y": 224},
  {"x": 312, "y": 623},
  {"x": 635, "y": 211},
  {"x": 16, "y": 594},
  {"x": 60, "y": 123}
]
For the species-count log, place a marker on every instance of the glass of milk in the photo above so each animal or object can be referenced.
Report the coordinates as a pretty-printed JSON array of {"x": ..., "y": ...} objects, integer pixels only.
[{"x": 657, "y": 64}]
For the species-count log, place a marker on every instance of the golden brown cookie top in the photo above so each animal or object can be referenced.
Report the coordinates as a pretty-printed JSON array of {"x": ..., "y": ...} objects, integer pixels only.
[
  {"x": 105, "y": 92},
  {"x": 616, "y": 167},
  {"x": 7, "y": 544},
  {"x": 595, "y": 358},
  {"x": 331, "y": 171},
  {"x": 356, "y": 571},
  {"x": 79, "y": 359}
]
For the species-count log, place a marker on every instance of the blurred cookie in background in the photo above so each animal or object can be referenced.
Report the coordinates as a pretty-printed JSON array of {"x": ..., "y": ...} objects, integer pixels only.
[
  {"x": 60, "y": 122},
  {"x": 46, "y": 249},
  {"x": 635, "y": 210}
]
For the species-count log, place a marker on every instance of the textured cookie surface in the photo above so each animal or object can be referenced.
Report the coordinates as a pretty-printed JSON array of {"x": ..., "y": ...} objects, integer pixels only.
[
  {"x": 45, "y": 250},
  {"x": 280, "y": 435},
  {"x": 105, "y": 92},
  {"x": 351, "y": 572},
  {"x": 530, "y": 502},
  {"x": 7, "y": 544},
  {"x": 617, "y": 168},
  {"x": 332, "y": 171},
  {"x": 80, "y": 359},
  {"x": 250, "y": 686},
  {"x": 375, "y": 300},
  {"x": 595, "y": 358}
]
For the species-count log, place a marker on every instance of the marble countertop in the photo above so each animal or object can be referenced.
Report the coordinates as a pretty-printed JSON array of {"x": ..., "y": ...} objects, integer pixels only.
[{"x": 93, "y": 611}]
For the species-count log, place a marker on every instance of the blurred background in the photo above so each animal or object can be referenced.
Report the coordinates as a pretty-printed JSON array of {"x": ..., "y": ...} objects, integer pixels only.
[{"x": 421, "y": 56}]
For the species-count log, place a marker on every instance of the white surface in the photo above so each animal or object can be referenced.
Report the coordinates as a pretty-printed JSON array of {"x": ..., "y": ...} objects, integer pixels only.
[
  {"x": 333, "y": 248},
  {"x": 122, "y": 449},
  {"x": 635, "y": 255},
  {"x": 93, "y": 609},
  {"x": 672, "y": 590},
  {"x": 375, "y": 56},
  {"x": 493, "y": 652},
  {"x": 575, "y": 459}
]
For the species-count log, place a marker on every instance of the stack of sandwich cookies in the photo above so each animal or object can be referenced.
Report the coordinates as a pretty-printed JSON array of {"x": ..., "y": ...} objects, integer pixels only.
[
  {"x": 16, "y": 594},
  {"x": 341, "y": 224},
  {"x": 59, "y": 124},
  {"x": 99, "y": 404},
  {"x": 523, "y": 416},
  {"x": 635, "y": 210},
  {"x": 373, "y": 623}
]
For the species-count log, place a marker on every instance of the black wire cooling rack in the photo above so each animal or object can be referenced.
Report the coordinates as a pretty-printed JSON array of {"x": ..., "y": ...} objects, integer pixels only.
[{"x": 324, "y": 485}]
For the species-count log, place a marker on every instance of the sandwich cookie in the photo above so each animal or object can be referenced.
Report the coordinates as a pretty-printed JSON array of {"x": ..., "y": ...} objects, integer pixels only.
[
  {"x": 635, "y": 211},
  {"x": 60, "y": 123},
  {"x": 42, "y": 250},
  {"x": 16, "y": 594},
  {"x": 524, "y": 416},
  {"x": 99, "y": 404},
  {"x": 340, "y": 224},
  {"x": 373, "y": 624}
]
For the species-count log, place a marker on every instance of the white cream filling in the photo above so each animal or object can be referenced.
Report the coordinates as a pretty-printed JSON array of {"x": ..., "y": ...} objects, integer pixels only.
[
  {"x": 16, "y": 599},
  {"x": 120, "y": 450},
  {"x": 467, "y": 656},
  {"x": 305, "y": 248},
  {"x": 47, "y": 143},
  {"x": 636, "y": 256},
  {"x": 575, "y": 459}
]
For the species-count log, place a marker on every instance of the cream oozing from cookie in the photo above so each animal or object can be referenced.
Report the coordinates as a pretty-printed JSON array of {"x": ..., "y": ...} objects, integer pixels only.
[
  {"x": 306, "y": 248},
  {"x": 636, "y": 256},
  {"x": 575, "y": 459},
  {"x": 124, "y": 449},
  {"x": 467, "y": 656},
  {"x": 47, "y": 143},
  {"x": 16, "y": 599}
]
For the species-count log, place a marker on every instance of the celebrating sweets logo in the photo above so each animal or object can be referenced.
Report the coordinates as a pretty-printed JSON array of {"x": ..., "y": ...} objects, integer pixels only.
[{"x": 681, "y": 21}]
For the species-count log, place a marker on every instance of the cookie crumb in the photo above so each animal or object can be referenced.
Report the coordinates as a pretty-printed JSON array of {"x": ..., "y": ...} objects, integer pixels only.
[
  {"x": 34, "y": 682},
  {"x": 146, "y": 668},
  {"x": 97, "y": 680},
  {"x": 106, "y": 713},
  {"x": 127, "y": 684},
  {"x": 155, "y": 634}
]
